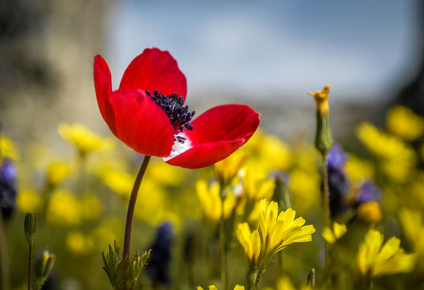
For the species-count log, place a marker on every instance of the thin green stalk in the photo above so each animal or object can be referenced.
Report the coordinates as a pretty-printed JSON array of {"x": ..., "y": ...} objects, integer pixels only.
[
  {"x": 326, "y": 192},
  {"x": 29, "y": 265},
  {"x": 4, "y": 256},
  {"x": 130, "y": 212},
  {"x": 223, "y": 260}
]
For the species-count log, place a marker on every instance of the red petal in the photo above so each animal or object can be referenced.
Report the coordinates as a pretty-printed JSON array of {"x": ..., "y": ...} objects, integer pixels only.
[
  {"x": 102, "y": 82},
  {"x": 203, "y": 155},
  {"x": 224, "y": 123},
  {"x": 216, "y": 134},
  {"x": 155, "y": 70},
  {"x": 140, "y": 123}
]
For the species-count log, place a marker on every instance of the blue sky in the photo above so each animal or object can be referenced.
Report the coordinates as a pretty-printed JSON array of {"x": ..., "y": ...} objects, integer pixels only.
[{"x": 273, "y": 48}]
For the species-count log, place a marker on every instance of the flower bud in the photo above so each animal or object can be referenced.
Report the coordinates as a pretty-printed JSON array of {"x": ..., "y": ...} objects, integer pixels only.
[
  {"x": 30, "y": 226},
  {"x": 43, "y": 266},
  {"x": 323, "y": 137},
  {"x": 311, "y": 278},
  {"x": 281, "y": 194}
]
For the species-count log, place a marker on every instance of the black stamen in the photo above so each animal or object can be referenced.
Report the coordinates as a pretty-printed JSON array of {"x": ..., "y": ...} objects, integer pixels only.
[{"x": 178, "y": 115}]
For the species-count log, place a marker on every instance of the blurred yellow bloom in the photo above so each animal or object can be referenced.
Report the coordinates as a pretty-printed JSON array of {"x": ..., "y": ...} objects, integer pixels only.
[
  {"x": 227, "y": 169},
  {"x": 369, "y": 212},
  {"x": 165, "y": 174},
  {"x": 375, "y": 259},
  {"x": 237, "y": 287},
  {"x": 84, "y": 139},
  {"x": 64, "y": 209},
  {"x": 8, "y": 148},
  {"x": 413, "y": 228},
  {"x": 91, "y": 207},
  {"x": 56, "y": 172},
  {"x": 358, "y": 169},
  {"x": 119, "y": 181},
  {"x": 404, "y": 123},
  {"x": 384, "y": 145},
  {"x": 211, "y": 202},
  {"x": 28, "y": 201},
  {"x": 397, "y": 158},
  {"x": 331, "y": 236},
  {"x": 284, "y": 283},
  {"x": 268, "y": 152},
  {"x": 110, "y": 229},
  {"x": 78, "y": 243},
  {"x": 250, "y": 241},
  {"x": 304, "y": 187},
  {"x": 151, "y": 203}
]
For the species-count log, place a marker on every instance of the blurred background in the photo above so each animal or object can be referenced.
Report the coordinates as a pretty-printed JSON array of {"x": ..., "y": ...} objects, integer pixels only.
[{"x": 267, "y": 54}]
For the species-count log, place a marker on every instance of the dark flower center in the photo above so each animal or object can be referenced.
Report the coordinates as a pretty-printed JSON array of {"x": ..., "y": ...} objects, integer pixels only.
[{"x": 178, "y": 115}]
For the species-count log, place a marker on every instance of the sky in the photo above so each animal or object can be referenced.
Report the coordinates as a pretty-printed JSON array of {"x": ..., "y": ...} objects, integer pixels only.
[{"x": 281, "y": 49}]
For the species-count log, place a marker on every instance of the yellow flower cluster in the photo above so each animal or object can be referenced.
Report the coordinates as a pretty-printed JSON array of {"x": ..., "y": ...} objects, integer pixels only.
[
  {"x": 84, "y": 140},
  {"x": 404, "y": 123},
  {"x": 396, "y": 157}
]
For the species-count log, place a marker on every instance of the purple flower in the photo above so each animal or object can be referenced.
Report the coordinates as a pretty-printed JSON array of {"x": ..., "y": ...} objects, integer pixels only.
[
  {"x": 337, "y": 181},
  {"x": 8, "y": 189},
  {"x": 368, "y": 192},
  {"x": 160, "y": 258}
]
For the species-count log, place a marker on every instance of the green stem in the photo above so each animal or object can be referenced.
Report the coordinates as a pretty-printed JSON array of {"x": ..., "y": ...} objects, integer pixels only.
[
  {"x": 29, "y": 265},
  {"x": 326, "y": 193},
  {"x": 326, "y": 209},
  {"x": 224, "y": 274},
  {"x": 130, "y": 212},
  {"x": 258, "y": 277},
  {"x": 4, "y": 256}
]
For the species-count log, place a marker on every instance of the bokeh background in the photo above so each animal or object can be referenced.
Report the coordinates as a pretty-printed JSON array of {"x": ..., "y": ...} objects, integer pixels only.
[{"x": 268, "y": 54}]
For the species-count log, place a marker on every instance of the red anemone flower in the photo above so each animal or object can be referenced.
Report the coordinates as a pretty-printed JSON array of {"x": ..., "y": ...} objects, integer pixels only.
[{"x": 147, "y": 113}]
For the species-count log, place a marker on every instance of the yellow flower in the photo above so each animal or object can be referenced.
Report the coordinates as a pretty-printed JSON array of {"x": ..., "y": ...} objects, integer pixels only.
[
  {"x": 28, "y": 201},
  {"x": 375, "y": 259},
  {"x": 268, "y": 152},
  {"x": 91, "y": 207},
  {"x": 413, "y": 229},
  {"x": 396, "y": 158},
  {"x": 110, "y": 229},
  {"x": 284, "y": 283},
  {"x": 384, "y": 145},
  {"x": 56, "y": 172},
  {"x": 84, "y": 139},
  {"x": 164, "y": 173},
  {"x": 369, "y": 212},
  {"x": 78, "y": 243},
  {"x": 228, "y": 168},
  {"x": 250, "y": 241},
  {"x": 255, "y": 188},
  {"x": 119, "y": 181},
  {"x": 321, "y": 99},
  {"x": 304, "y": 187},
  {"x": 8, "y": 148},
  {"x": 277, "y": 231},
  {"x": 237, "y": 287},
  {"x": 331, "y": 236},
  {"x": 211, "y": 201},
  {"x": 358, "y": 169},
  {"x": 404, "y": 123},
  {"x": 64, "y": 209}
]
